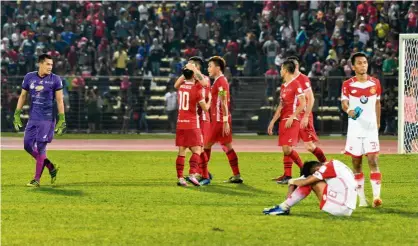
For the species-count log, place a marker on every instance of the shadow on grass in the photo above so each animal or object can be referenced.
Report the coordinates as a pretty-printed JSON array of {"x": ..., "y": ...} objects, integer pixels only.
[
  {"x": 156, "y": 183},
  {"x": 56, "y": 191},
  {"x": 233, "y": 190},
  {"x": 404, "y": 213}
]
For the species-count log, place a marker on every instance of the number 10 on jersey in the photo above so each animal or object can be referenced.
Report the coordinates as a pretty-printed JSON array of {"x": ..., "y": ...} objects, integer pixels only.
[{"x": 184, "y": 100}]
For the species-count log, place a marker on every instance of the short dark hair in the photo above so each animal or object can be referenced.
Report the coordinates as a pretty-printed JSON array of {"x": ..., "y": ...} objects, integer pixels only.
[
  {"x": 43, "y": 57},
  {"x": 355, "y": 55},
  {"x": 307, "y": 167},
  {"x": 219, "y": 62},
  {"x": 197, "y": 59},
  {"x": 289, "y": 66},
  {"x": 294, "y": 58},
  {"x": 187, "y": 73}
]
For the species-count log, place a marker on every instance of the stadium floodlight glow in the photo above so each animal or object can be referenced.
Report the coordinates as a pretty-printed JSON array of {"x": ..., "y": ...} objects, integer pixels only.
[{"x": 408, "y": 94}]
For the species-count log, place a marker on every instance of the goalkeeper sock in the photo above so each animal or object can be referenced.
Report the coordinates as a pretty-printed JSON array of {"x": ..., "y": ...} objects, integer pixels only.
[
  {"x": 298, "y": 195},
  {"x": 359, "y": 177},
  {"x": 39, "y": 167},
  {"x": 376, "y": 181},
  {"x": 180, "y": 166}
]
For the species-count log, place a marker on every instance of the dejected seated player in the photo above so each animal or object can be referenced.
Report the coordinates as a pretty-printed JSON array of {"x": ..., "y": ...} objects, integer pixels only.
[
  {"x": 43, "y": 88},
  {"x": 333, "y": 183},
  {"x": 188, "y": 134}
]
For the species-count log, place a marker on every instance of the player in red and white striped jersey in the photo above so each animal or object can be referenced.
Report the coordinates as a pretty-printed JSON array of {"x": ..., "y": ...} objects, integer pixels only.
[{"x": 361, "y": 100}]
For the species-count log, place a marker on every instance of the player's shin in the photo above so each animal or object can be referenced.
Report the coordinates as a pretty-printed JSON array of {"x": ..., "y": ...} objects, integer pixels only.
[
  {"x": 296, "y": 158},
  {"x": 319, "y": 154},
  {"x": 298, "y": 195},
  {"x": 204, "y": 165},
  {"x": 233, "y": 161},
  {"x": 359, "y": 177},
  {"x": 194, "y": 161},
  {"x": 180, "y": 166},
  {"x": 287, "y": 163},
  {"x": 376, "y": 181}
]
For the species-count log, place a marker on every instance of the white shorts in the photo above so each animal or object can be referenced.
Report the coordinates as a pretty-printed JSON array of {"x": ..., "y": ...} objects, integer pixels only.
[
  {"x": 334, "y": 200},
  {"x": 359, "y": 146}
]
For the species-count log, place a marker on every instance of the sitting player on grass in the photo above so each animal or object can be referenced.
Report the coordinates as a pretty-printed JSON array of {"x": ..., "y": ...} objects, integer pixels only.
[{"x": 333, "y": 183}]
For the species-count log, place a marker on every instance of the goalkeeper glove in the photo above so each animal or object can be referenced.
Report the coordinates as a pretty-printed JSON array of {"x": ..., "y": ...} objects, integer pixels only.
[
  {"x": 61, "y": 125},
  {"x": 357, "y": 113},
  {"x": 17, "y": 122}
]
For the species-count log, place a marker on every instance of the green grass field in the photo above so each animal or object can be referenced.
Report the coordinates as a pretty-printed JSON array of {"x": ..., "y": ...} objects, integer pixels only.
[{"x": 131, "y": 198}]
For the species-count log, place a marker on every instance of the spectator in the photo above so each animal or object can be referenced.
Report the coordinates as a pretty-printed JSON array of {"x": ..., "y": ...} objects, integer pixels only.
[
  {"x": 364, "y": 36},
  {"x": 120, "y": 58},
  {"x": 171, "y": 109},
  {"x": 202, "y": 31},
  {"x": 270, "y": 48},
  {"x": 156, "y": 55},
  {"x": 271, "y": 80}
]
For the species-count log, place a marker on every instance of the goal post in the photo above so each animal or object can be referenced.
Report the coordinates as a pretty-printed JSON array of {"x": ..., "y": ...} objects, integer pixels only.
[{"x": 408, "y": 94}]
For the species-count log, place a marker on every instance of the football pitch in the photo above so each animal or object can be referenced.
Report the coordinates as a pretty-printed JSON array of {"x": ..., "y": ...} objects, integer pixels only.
[{"x": 131, "y": 198}]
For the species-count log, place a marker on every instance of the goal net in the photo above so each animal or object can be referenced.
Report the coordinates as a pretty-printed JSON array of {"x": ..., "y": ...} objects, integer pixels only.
[{"x": 408, "y": 94}]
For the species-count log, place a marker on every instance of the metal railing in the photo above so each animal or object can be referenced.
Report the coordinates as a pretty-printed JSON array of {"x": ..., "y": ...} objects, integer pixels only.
[{"x": 110, "y": 104}]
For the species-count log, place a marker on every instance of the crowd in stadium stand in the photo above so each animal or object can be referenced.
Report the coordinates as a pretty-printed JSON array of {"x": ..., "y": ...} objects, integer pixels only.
[{"x": 131, "y": 38}]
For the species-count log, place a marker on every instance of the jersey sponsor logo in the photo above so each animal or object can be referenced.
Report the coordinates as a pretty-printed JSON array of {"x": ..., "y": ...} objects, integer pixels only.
[
  {"x": 353, "y": 91},
  {"x": 364, "y": 99},
  {"x": 39, "y": 88},
  {"x": 373, "y": 90}
]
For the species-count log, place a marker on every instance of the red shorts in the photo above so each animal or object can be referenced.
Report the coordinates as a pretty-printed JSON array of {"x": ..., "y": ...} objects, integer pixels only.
[
  {"x": 215, "y": 136},
  {"x": 205, "y": 129},
  {"x": 189, "y": 137},
  {"x": 308, "y": 133},
  {"x": 289, "y": 136}
]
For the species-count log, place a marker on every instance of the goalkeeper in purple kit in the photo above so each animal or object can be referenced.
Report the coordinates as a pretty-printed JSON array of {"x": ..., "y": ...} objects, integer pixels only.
[{"x": 43, "y": 87}]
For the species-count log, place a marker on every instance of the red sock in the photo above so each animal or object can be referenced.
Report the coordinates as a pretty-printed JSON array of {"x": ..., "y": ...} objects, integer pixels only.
[
  {"x": 233, "y": 161},
  {"x": 319, "y": 154},
  {"x": 180, "y": 166},
  {"x": 287, "y": 163},
  {"x": 296, "y": 159},
  {"x": 204, "y": 165},
  {"x": 208, "y": 151},
  {"x": 194, "y": 162}
]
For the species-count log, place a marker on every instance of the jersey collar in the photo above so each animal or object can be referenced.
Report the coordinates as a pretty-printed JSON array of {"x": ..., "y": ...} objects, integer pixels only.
[{"x": 286, "y": 84}]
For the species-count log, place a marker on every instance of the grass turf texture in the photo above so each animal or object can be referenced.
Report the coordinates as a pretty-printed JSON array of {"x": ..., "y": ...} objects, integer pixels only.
[
  {"x": 164, "y": 136},
  {"x": 131, "y": 198}
]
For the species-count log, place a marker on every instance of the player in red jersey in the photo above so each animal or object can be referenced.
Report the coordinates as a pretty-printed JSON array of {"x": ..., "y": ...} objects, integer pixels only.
[
  {"x": 188, "y": 134},
  {"x": 307, "y": 130},
  {"x": 220, "y": 131},
  {"x": 292, "y": 102},
  {"x": 204, "y": 117},
  {"x": 360, "y": 99}
]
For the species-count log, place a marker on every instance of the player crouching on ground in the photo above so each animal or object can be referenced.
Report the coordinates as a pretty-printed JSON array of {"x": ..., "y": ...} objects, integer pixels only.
[
  {"x": 188, "y": 134},
  {"x": 333, "y": 183}
]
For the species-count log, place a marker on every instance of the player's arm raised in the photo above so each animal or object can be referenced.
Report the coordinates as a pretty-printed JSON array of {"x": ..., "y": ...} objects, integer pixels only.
[
  {"x": 309, "y": 105},
  {"x": 179, "y": 82},
  {"x": 224, "y": 104},
  {"x": 197, "y": 74},
  {"x": 302, "y": 104},
  {"x": 17, "y": 122},
  {"x": 61, "y": 125},
  {"x": 276, "y": 116}
]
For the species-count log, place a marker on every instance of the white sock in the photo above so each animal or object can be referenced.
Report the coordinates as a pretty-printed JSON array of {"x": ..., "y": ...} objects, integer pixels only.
[
  {"x": 360, "y": 186},
  {"x": 298, "y": 195},
  {"x": 376, "y": 181}
]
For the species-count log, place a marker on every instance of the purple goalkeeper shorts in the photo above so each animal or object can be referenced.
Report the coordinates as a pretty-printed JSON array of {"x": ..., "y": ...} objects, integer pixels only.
[{"x": 40, "y": 131}]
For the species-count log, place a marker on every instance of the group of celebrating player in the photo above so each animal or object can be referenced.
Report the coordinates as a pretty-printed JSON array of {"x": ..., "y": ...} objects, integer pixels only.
[
  {"x": 204, "y": 119},
  {"x": 333, "y": 182}
]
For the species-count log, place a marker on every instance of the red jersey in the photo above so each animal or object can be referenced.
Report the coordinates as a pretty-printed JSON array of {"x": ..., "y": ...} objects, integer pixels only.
[
  {"x": 188, "y": 97},
  {"x": 204, "y": 116},
  {"x": 305, "y": 84},
  {"x": 289, "y": 93},
  {"x": 216, "y": 111}
]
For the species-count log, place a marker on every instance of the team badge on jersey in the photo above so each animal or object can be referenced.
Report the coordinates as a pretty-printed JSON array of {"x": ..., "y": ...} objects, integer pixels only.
[
  {"x": 373, "y": 90},
  {"x": 364, "y": 99}
]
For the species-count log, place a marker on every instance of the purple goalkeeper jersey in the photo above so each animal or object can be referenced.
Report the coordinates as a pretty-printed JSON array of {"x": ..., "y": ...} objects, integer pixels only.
[{"x": 42, "y": 95}]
